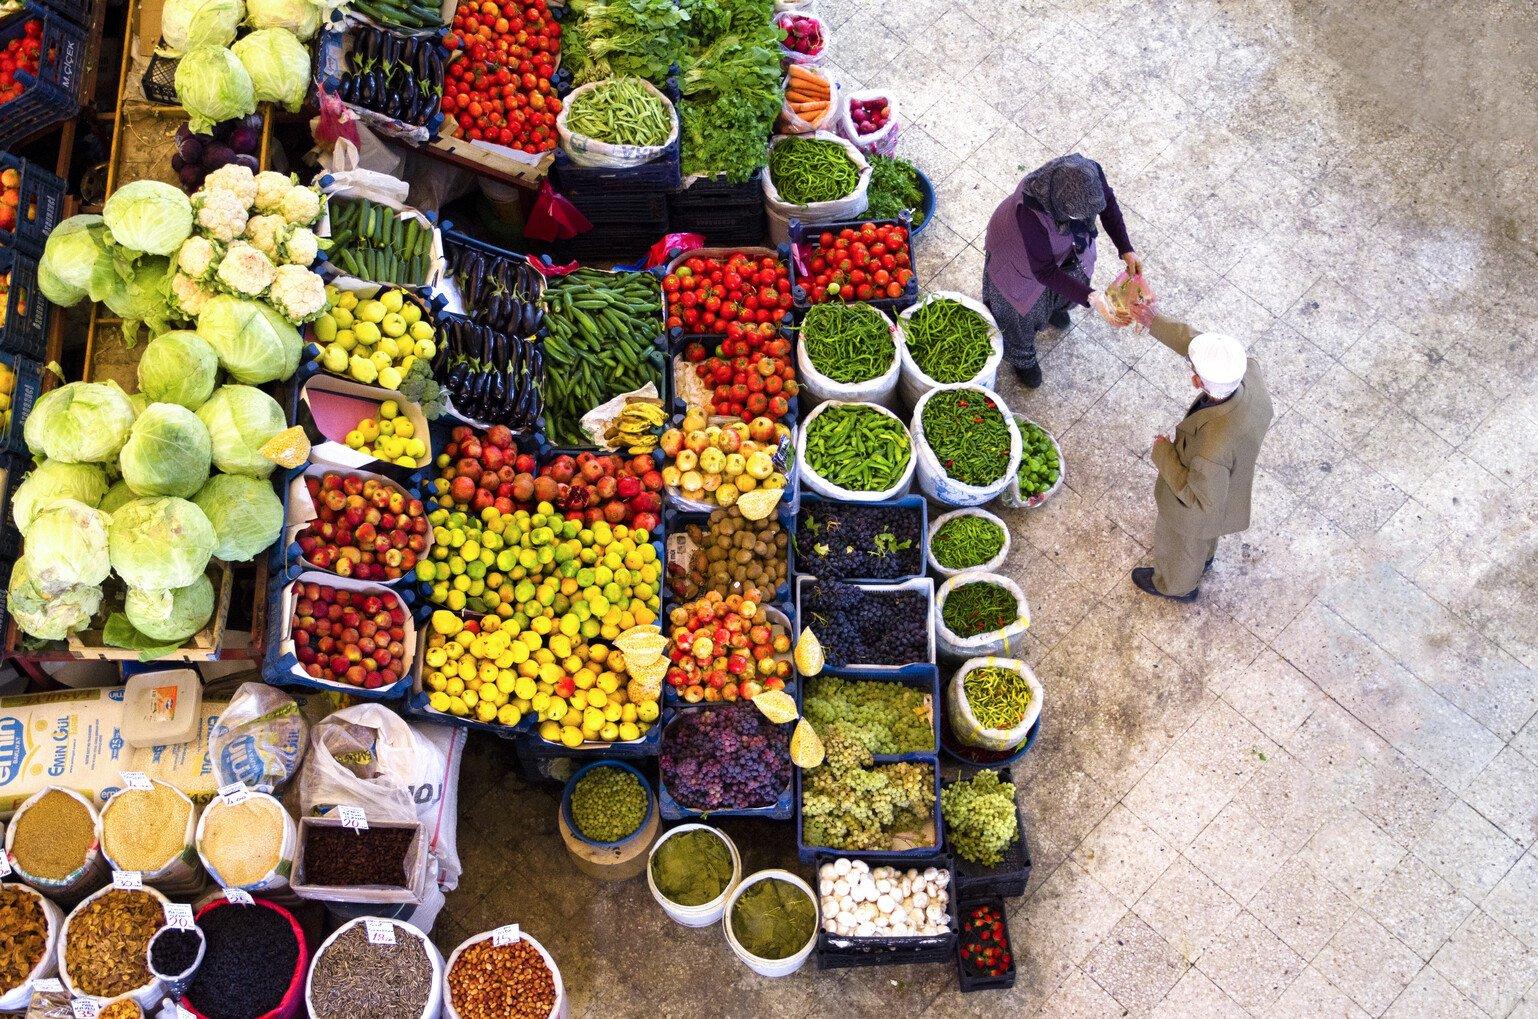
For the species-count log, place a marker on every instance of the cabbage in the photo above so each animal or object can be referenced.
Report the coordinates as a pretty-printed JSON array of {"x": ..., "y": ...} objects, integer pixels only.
[
  {"x": 67, "y": 547},
  {"x": 149, "y": 216},
  {"x": 279, "y": 65},
  {"x": 159, "y": 543},
  {"x": 301, "y": 17},
  {"x": 167, "y": 453},
  {"x": 188, "y": 23},
  {"x": 213, "y": 86},
  {"x": 118, "y": 495},
  {"x": 82, "y": 422},
  {"x": 254, "y": 343},
  {"x": 240, "y": 422},
  {"x": 246, "y": 515},
  {"x": 77, "y": 263},
  {"x": 178, "y": 367},
  {"x": 171, "y": 616},
  {"x": 54, "y": 479},
  {"x": 142, "y": 298},
  {"x": 49, "y": 618}
]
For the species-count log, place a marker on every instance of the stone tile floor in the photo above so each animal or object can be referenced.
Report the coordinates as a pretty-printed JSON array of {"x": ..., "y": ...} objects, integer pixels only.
[{"x": 1315, "y": 791}]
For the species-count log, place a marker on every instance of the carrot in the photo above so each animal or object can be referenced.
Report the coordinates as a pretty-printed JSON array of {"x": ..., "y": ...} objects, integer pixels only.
[
  {"x": 799, "y": 73},
  {"x": 804, "y": 108},
  {"x": 797, "y": 96}
]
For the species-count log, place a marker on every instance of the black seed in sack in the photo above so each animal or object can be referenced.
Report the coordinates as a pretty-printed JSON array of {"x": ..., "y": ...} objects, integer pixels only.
[
  {"x": 248, "y": 965},
  {"x": 173, "y": 951},
  {"x": 860, "y": 627}
]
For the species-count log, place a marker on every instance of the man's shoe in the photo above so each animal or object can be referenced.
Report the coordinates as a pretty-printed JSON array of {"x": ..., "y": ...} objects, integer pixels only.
[
  {"x": 1029, "y": 377},
  {"x": 1060, "y": 319},
  {"x": 1143, "y": 578},
  {"x": 1208, "y": 566}
]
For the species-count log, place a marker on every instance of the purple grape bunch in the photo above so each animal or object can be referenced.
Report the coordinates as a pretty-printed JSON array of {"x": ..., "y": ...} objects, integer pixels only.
[
  {"x": 725, "y": 757},
  {"x": 232, "y": 141}
]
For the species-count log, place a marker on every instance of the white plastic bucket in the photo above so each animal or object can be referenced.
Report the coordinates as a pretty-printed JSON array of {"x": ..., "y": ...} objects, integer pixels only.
[
  {"x": 706, "y": 913},
  {"x": 562, "y": 1009},
  {"x": 147, "y": 995},
  {"x": 811, "y": 479},
  {"x": 772, "y": 967},
  {"x": 1002, "y": 641},
  {"x": 15, "y": 999},
  {"x": 932, "y": 476},
  {"x": 970, "y": 511},
  {"x": 434, "y": 1006}
]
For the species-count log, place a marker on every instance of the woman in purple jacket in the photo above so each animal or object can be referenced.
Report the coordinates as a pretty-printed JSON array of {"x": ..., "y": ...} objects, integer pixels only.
[{"x": 1041, "y": 254}]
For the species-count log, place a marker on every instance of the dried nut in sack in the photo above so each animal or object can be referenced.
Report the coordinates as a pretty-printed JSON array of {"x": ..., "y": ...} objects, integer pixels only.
[
  {"x": 105, "y": 951},
  {"x": 491, "y": 981},
  {"x": 26, "y": 935}
]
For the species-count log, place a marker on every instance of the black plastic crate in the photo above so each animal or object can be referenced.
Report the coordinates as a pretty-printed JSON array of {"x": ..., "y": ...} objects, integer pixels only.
[
  {"x": 969, "y": 980},
  {"x": 621, "y": 208},
  {"x": 661, "y": 175},
  {"x": 12, "y": 469},
  {"x": 159, "y": 80},
  {"x": 38, "y": 208},
  {"x": 611, "y": 245},
  {"x": 24, "y": 329},
  {"x": 1009, "y": 877},
  {"x": 841, "y": 952},
  {"x": 709, "y": 193},
  {"x": 723, "y": 227},
  {"x": 52, "y": 95}
]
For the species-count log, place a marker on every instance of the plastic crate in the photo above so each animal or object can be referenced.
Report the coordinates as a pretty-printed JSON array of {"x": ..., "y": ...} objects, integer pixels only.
[
  {"x": 710, "y": 193},
  {"x": 799, "y": 232},
  {"x": 159, "y": 80},
  {"x": 38, "y": 209},
  {"x": 783, "y": 615},
  {"x": 724, "y": 227},
  {"x": 676, "y": 520},
  {"x": 810, "y": 502},
  {"x": 677, "y": 257},
  {"x": 968, "y": 980},
  {"x": 25, "y": 327},
  {"x": 52, "y": 95},
  {"x": 25, "y": 379},
  {"x": 924, "y": 585},
  {"x": 925, "y": 677},
  {"x": 78, "y": 11},
  {"x": 1008, "y": 877},
  {"x": 835, "y": 951},
  {"x": 282, "y": 668},
  {"x": 12, "y": 469},
  {"x": 617, "y": 244},
  {"x": 621, "y": 208},
  {"x": 333, "y": 49},
  {"x": 780, "y": 810},
  {"x": 678, "y": 405}
]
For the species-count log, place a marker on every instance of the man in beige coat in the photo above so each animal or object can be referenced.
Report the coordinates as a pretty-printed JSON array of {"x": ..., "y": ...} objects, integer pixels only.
[{"x": 1207, "y": 472}]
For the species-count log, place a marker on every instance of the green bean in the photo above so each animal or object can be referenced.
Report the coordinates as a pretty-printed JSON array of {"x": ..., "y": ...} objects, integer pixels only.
[
  {"x": 848, "y": 342},
  {"x": 998, "y": 697},
  {"x": 857, "y": 447},
  {"x": 968, "y": 435},
  {"x": 966, "y": 541},
  {"x": 808, "y": 170},
  {"x": 622, "y": 111},
  {"x": 947, "y": 340}
]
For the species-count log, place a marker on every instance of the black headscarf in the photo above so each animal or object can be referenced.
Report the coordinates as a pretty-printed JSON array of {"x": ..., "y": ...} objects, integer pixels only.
[{"x": 1069, "y": 189}]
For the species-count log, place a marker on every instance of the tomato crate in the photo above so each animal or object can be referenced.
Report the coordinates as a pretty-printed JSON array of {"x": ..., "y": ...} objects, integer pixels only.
[
  {"x": 1005, "y": 879},
  {"x": 51, "y": 95},
  {"x": 39, "y": 204},
  {"x": 804, "y": 235}
]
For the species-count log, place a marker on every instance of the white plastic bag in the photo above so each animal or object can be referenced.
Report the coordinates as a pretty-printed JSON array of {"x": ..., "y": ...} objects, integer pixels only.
[
  {"x": 790, "y": 56},
  {"x": 851, "y": 206},
  {"x": 915, "y": 383},
  {"x": 259, "y": 739},
  {"x": 391, "y": 192},
  {"x": 992, "y": 564},
  {"x": 882, "y": 141},
  {"x": 585, "y": 151},
  {"x": 933, "y": 479},
  {"x": 1001, "y": 641},
  {"x": 795, "y": 6},
  {"x": 821, "y": 486},
  {"x": 1011, "y": 496},
  {"x": 817, "y": 387},
  {"x": 791, "y": 122},
  {"x": 965, "y": 726}
]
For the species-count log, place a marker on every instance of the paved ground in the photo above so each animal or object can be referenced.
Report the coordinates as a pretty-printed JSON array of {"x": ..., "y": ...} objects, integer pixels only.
[{"x": 1315, "y": 792}]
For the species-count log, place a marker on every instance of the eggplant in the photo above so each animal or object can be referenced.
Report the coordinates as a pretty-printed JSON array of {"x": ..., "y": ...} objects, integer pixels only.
[
  {"x": 499, "y": 359},
  {"x": 368, "y": 92},
  {"x": 478, "y": 396},
  {"x": 488, "y": 344},
  {"x": 349, "y": 88},
  {"x": 475, "y": 265},
  {"x": 455, "y": 382}
]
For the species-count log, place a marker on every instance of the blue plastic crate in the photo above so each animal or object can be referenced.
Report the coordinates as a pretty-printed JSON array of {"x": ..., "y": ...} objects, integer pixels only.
[
  {"x": 676, "y": 520},
  {"x": 705, "y": 194},
  {"x": 26, "y": 386},
  {"x": 925, "y": 677},
  {"x": 712, "y": 344},
  {"x": 12, "y": 469},
  {"x": 290, "y": 561},
  {"x": 846, "y": 952},
  {"x": 780, "y": 810},
  {"x": 799, "y": 232},
  {"x": 53, "y": 94},
  {"x": 282, "y": 668},
  {"x": 811, "y": 502},
  {"x": 678, "y": 255},
  {"x": 78, "y": 11},
  {"x": 27, "y": 311},
  {"x": 924, "y": 585},
  {"x": 671, "y": 698},
  {"x": 38, "y": 209}
]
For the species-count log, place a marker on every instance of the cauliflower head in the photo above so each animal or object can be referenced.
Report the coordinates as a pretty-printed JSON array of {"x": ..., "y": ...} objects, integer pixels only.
[
  {"x": 245, "y": 271},
  {"x": 297, "y": 294},
  {"x": 271, "y": 186},
  {"x": 234, "y": 178},
  {"x": 189, "y": 295},
  {"x": 220, "y": 214},
  {"x": 198, "y": 256},
  {"x": 267, "y": 234},
  {"x": 302, "y": 246},
  {"x": 301, "y": 206}
]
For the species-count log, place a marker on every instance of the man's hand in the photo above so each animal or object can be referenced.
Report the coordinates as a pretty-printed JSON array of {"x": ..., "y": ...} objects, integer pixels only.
[
  {"x": 1162, "y": 447},
  {"x": 1097, "y": 300},
  {"x": 1134, "y": 263}
]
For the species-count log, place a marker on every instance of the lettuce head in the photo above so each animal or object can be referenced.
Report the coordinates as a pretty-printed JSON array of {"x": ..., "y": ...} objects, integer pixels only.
[
  {"x": 240, "y": 421},
  {"x": 82, "y": 422},
  {"x": 254, "y": 343},
  {"x": 44, "y": 617},
  {"x": 246, "y": 514},
  {"x": 168, "y": 452}
]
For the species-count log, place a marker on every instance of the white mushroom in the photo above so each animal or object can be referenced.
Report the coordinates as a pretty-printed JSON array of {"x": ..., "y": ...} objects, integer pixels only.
[
  {"x": 865, "y": 930},
  {"x": 920, "y": 899},
  {"x": 884, "y": 903},
  {"x": 841, "y": 866}
]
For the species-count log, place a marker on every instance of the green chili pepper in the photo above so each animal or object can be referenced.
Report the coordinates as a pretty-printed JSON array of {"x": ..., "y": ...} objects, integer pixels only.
[
  {"x": 857, "y": 447},
  {"x": 947, "y": 340},
  {"x": 998, "y": 697},
  {"x": 848, "y": 342},
  {"x": 968, "y": 435},
  {"x": 966, "y": 541},
  {"x": 808, "y": 170}
]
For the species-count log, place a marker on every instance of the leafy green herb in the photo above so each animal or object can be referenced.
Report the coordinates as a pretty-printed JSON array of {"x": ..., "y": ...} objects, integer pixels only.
[{"x": 894, "y": 188}]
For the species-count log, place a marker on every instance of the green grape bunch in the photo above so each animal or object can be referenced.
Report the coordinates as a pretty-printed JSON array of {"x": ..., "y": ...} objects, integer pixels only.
[{"x": 980, "y": 818}]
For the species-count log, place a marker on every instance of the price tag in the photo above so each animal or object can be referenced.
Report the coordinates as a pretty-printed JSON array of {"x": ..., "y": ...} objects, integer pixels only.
[
  {"x": 239, "y": 897},
  {"x": 352, "y": 817},
  {"x": 127, "y": 880},
  {"x": 85, "y": 1008},
  {"x": 137, "y": 780},
  {"x": 380, "y": 932},
  {"x": 182, "y": 1013},
  {"x": 179, "y": 915},
  {"x": 234, "y": 794},
  {"x": 508, "y": 934},
  {"x": 48, "y": 985},
  {"x": 5, "y": 865}
]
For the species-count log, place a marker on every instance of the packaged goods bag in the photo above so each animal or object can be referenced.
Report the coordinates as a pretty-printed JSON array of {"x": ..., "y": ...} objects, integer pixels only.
[
  {"x": 817, "y": 387},
  {"x": 851, "y": 206},
  {"x": 1003, "y": 640},
  {"x": 259, "y": 739},
  {"x": 1011, "y": 496},
  {"x": 822, "y": 486},
  {"x": 585, "y": 151},
  {"x": 932, "y": 476},
  {"x": 992, "y": 563},
  {"x": 807, "y": 38},
  {"x": 153, "y": 831},
  {"x": 247, "y": 841},
  {"x": 15, "y": 999},
  {"x": 806, "y": 87},
  {"x": 50, "y": 830},
  {"x": 915, "y": 383},
  {"x": 882, "y": 141},
  {"x": 965, "y": 726}
]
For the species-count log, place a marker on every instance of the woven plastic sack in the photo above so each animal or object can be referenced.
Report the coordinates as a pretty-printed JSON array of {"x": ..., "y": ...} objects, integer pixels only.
[
  {"x": 585, "y": 151},
  {"x": 938, "y": 522},
  {"x": 965, "y": 726},
  {"x": 1011, "y": 496},
  {"x": 1001, "y": 641},
  {"x": 817, "y": 387},
  {"x": 932, "y": 476},
  {"x": 811, "y": 479},
  {"x": 791, "y": 56},
  {"x": 851, "y": 206},
  {"x": 881, "y": 142},
  {"x": 914, "y": 382}
]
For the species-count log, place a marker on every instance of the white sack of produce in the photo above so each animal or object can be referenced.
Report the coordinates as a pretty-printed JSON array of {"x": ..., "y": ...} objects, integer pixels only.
[
  {"x": 966, "y": 455},
  {"x": 800, "y": 184},
  {"x": 32, "y": 926},
  {"x": 989, "y": 618},
  {"x": 1005, "y": 692},
  {"x": 618, "y": 123},
  {"x": 852, "y": 342},
  {"x": 952, "y": 336}
]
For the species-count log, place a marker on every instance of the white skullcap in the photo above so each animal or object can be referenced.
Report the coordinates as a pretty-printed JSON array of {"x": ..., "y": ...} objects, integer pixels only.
[{"x": 1220, "y": 361}]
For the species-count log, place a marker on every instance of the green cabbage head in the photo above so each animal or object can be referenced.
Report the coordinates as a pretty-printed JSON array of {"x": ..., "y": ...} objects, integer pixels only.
[
  {"x": 254, "y": 343},
  {"x": 301, "y": 17},
  {"x": 171, "y": 616},
  {"x": 143, "y": 297},
  {"x": 246, "y": 514},
  {"x": 49, "y": 618},
  {"x": 241, "y": 420},
  {"x": 279, "y": 65},
  {"x": 55, "y": 479},
  {"x": 213, "y": 86},
  {"x": 159, "y": 543},
  {"x": 168, "y": 452},
  {"x": 67, "y": 547},
  {"x": 188, "y": 23},
  {"x": 82, "y": 422},
  {"x": 149, "y": 216},
  {"x": 118, "y": 495},
  {"x": 178, "y": 367},
  {"x": 77, "y": 263}
]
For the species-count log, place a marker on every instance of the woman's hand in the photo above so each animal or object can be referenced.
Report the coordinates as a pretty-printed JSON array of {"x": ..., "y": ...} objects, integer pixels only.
[
  {"x": 1103, "y": 307},
  {"x": 1134, "y": 263}
]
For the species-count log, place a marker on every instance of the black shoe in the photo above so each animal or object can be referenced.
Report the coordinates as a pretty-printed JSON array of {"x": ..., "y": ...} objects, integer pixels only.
[
  {"x": 1029, "y": 377},
  {"x": 1060, "y": 319},
  {"x": 1143, "y": 578},
  {"x": 1208, "y": 566}
]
